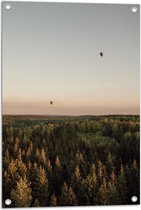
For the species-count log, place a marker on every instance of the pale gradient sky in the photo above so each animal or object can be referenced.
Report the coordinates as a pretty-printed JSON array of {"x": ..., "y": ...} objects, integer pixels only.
[{"x": 51, "y": 52}]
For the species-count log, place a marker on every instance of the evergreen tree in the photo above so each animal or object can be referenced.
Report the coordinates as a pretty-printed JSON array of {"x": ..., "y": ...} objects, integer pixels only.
[
  {"x": 37, "y": 154},
  {"x": 77, "y": 175},
  {"x": 53, "y": 200},
  {"x": 68, "y": 198},
  {"x": 43, "y": 156},
  {"x": 49, "y": 166},
  {"x": 12, "y": 168},
  {"x": 113, "y": 194},
  {"x": 101, "y": 170},
  {"x": 57, "y": 162},
  {"x": 110, "y": 163},
  {"x": 103, "y": 193},
  {"x": 122, "y": 186},
  {"x": 21, "y": 195},
  {"x": 42, "y": 186},
  {"x": 36, "y": 203},
  {"x": 21, "y": 167}
]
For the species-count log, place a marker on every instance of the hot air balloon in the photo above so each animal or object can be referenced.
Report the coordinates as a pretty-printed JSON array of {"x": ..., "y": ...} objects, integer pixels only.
[
  {"x": 51, "y": 102},
  {"x": 101, "y": 54}
]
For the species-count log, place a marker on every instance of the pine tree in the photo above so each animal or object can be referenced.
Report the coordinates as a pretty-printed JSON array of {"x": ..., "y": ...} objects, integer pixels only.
[
  {"x": 23, "y": 153},
  {"x": 77, "y": 175},
  {"x": 110, "y": 164},
  {"x": 28, "y": 153},
  {"x": 19, "y": 154},
  {"x": 90, "y": 185},
  {"x": 72, "y": 198},
  {"x": 113, "y": 195},
  {"x": 79, "y": 158},
  {"x": 101, "y": 170},
  {"x": 41, "y": 186},
  {"x": 31, "y": 147},
  {"x": 21, "y": 167},
  {"x": 135, "y": 179},
  {"x": 6, "y": 158},
  {"x": 29, "y": 165},
  {"x": 16, "y": 146},
  {"x": 93, "y": 169},
  {"x": 122, "y": 186},
  {"x": 49, "y": 166},
  {"x": 10, "y": 177},
  {"x": 12, "y": 168},
  {"x": 37, "y": 154},
  {"x": 68, "y": 198},
  {"x": 113, "y": 178},
  {"x": 57, "y": 162},
  {"x": 41, "y": 177},
  {"x": 103, "y": 193},
  {"x": 53, "y": 200},
  {"x": 36, "y": 203},
  {"x": 43, "y": 156},
  {"x": 21, "y": 195},
  {"x": 57, "y": 175}
]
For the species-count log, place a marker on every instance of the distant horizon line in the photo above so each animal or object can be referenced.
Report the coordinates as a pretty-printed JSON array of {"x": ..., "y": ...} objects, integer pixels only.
[{"x": 67, "y": 114}]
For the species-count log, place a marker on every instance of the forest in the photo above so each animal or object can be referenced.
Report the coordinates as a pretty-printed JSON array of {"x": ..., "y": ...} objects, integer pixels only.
[{"x": 70, "y": 160}]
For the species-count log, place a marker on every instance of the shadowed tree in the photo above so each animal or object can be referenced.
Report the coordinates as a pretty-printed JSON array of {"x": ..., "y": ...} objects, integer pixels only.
[
  {"x": 103, "y": 193},
  {"x": 122, "y": 186},
  {"x": 42, "y": 186},
  {"x": 53, "y": 200},
  {"x": 67, "y": 198},
  {"x": 36, "y": 203}
]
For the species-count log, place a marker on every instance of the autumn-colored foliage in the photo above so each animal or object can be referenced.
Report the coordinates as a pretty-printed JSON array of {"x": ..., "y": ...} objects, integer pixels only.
[{"x": 70, "y": 161}]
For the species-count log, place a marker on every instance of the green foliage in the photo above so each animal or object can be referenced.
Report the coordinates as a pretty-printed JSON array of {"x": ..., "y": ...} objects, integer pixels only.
[{"x": 70, "y": 161}]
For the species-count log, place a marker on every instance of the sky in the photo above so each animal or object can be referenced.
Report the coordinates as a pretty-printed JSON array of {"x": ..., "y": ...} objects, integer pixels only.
[{"x": 51, "y": 52}]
